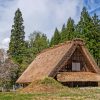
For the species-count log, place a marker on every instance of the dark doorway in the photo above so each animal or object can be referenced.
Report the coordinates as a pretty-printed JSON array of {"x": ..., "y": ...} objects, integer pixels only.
[{"x": 80, "y": 84}]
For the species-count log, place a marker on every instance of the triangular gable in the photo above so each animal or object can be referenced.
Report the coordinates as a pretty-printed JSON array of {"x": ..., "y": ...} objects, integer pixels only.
[
  {"x": 60, "y": 64},
  {"x": 90, "y": 59},
  {"x": 68, "y": 55}
]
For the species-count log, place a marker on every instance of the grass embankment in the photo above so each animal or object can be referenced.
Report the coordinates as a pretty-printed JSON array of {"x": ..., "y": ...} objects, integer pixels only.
[
  {"x": 49, "y": 89},
  {"x": 48, "y": 85}
]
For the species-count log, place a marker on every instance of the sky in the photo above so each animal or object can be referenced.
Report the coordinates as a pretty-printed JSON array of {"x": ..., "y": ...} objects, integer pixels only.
[{"x": 41, "y": 15}]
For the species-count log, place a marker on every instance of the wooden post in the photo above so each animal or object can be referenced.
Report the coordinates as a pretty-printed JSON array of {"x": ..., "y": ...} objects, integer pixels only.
[
  {"x": 2, "y": 89},
  {"x": 13, "y": 87},
  {"x": 72, "y": 84}
]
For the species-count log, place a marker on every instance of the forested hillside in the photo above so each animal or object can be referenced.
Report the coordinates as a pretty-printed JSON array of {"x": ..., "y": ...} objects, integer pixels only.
[{"x": 22, "y": 52}]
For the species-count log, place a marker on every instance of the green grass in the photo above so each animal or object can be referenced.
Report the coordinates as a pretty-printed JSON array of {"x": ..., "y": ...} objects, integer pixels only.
[
  {"x": 48, "y": 81},
  {"x": 15, "y": 96},
  {"x": 64, "y": 94},
  {"x": 54, "y": 91}
]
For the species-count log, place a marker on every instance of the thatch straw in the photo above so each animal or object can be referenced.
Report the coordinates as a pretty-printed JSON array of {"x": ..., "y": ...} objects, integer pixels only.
[
  {"x": 78, "y": 77},
  {"x": 46, "y": 61}
]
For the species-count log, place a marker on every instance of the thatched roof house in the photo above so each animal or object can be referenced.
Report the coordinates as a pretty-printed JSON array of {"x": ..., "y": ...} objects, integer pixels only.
[{"x": 67, "y": 62}]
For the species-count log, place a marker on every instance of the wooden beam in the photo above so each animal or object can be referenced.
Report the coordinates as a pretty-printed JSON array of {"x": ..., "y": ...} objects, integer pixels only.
[
  {"x": 63, "y": 61},
  {"x": 90, "y": 64}
]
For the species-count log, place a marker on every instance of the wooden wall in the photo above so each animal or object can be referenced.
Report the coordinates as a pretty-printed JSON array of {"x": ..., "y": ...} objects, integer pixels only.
[{"x": 78, "y": 57}]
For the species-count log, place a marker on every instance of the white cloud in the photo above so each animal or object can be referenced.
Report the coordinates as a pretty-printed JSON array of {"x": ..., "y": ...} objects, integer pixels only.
[
  {"x": 42, "y": 15},
  {"x": 4, "y": 43},
  {"x": 45, "y": 15}
]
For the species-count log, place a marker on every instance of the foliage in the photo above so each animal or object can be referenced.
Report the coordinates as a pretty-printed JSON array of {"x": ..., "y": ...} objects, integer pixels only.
[
  {"x": 56, "y": 38},
  {"x": 17, "y": 39},
  {"x": 67, "y": 32},
  {"x": 88, "y": 28},
  {"x": 95, "y": 38},
  {"x": 35, "y": 44},
  {"x": 38, "y": 41},
  {"x": 23, "y": 52},
  {"x": 8, "y": 72}
]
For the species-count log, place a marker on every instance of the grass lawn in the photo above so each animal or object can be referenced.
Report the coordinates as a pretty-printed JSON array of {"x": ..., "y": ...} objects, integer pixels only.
[
  {"x": 63, "y": 94},
  {"x": 50, "y": 89}
]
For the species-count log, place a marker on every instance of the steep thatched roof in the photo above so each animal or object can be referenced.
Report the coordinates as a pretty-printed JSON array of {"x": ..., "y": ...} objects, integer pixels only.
[
  {"x": 78, "y": 76},
  {"x": 47, "y": 62}
]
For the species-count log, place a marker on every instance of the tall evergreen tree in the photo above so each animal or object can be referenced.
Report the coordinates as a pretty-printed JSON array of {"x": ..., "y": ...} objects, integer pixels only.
[
  {"x": 63, "y": 27},
  {"x": 70, "y": 29},
  {"x": 84, "y": 25},
  {"x": 67, "y": 33},
  {"x": 89, "y": 28},
  {"x": 17, "y": 42},
  {"x": 63, "y": 33},
  {"x": 56, "y": 38},
  {"x": 95, "y": 37}
]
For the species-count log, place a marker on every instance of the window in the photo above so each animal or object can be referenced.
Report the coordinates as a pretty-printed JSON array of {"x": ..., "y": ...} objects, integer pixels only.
[{"x": 75, "y": 66}]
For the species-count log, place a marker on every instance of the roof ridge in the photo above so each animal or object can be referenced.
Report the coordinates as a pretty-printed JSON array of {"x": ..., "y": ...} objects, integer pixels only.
[
  {"x": 76, "y": 40},
  {"x": 54, "y": 46}
]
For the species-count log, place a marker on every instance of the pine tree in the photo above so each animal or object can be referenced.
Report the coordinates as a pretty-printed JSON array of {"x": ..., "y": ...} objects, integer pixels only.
[
  {"x": 17, "y": 42},
  {"x": 63, "y": 33},
  {"x": 63, "y": 27},
  {"x": 89, "y": 29},
  {"x": 56, "y": 38},
  {"x": 67, "y": 33},
  {"x": 84, "y": 25},
  {"x": 95, "y": 37},
  {"x": 70, "y": 29}
]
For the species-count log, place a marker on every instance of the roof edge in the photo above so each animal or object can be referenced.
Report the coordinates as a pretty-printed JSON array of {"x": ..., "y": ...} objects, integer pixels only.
[{"x": 78, "y": 41}]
